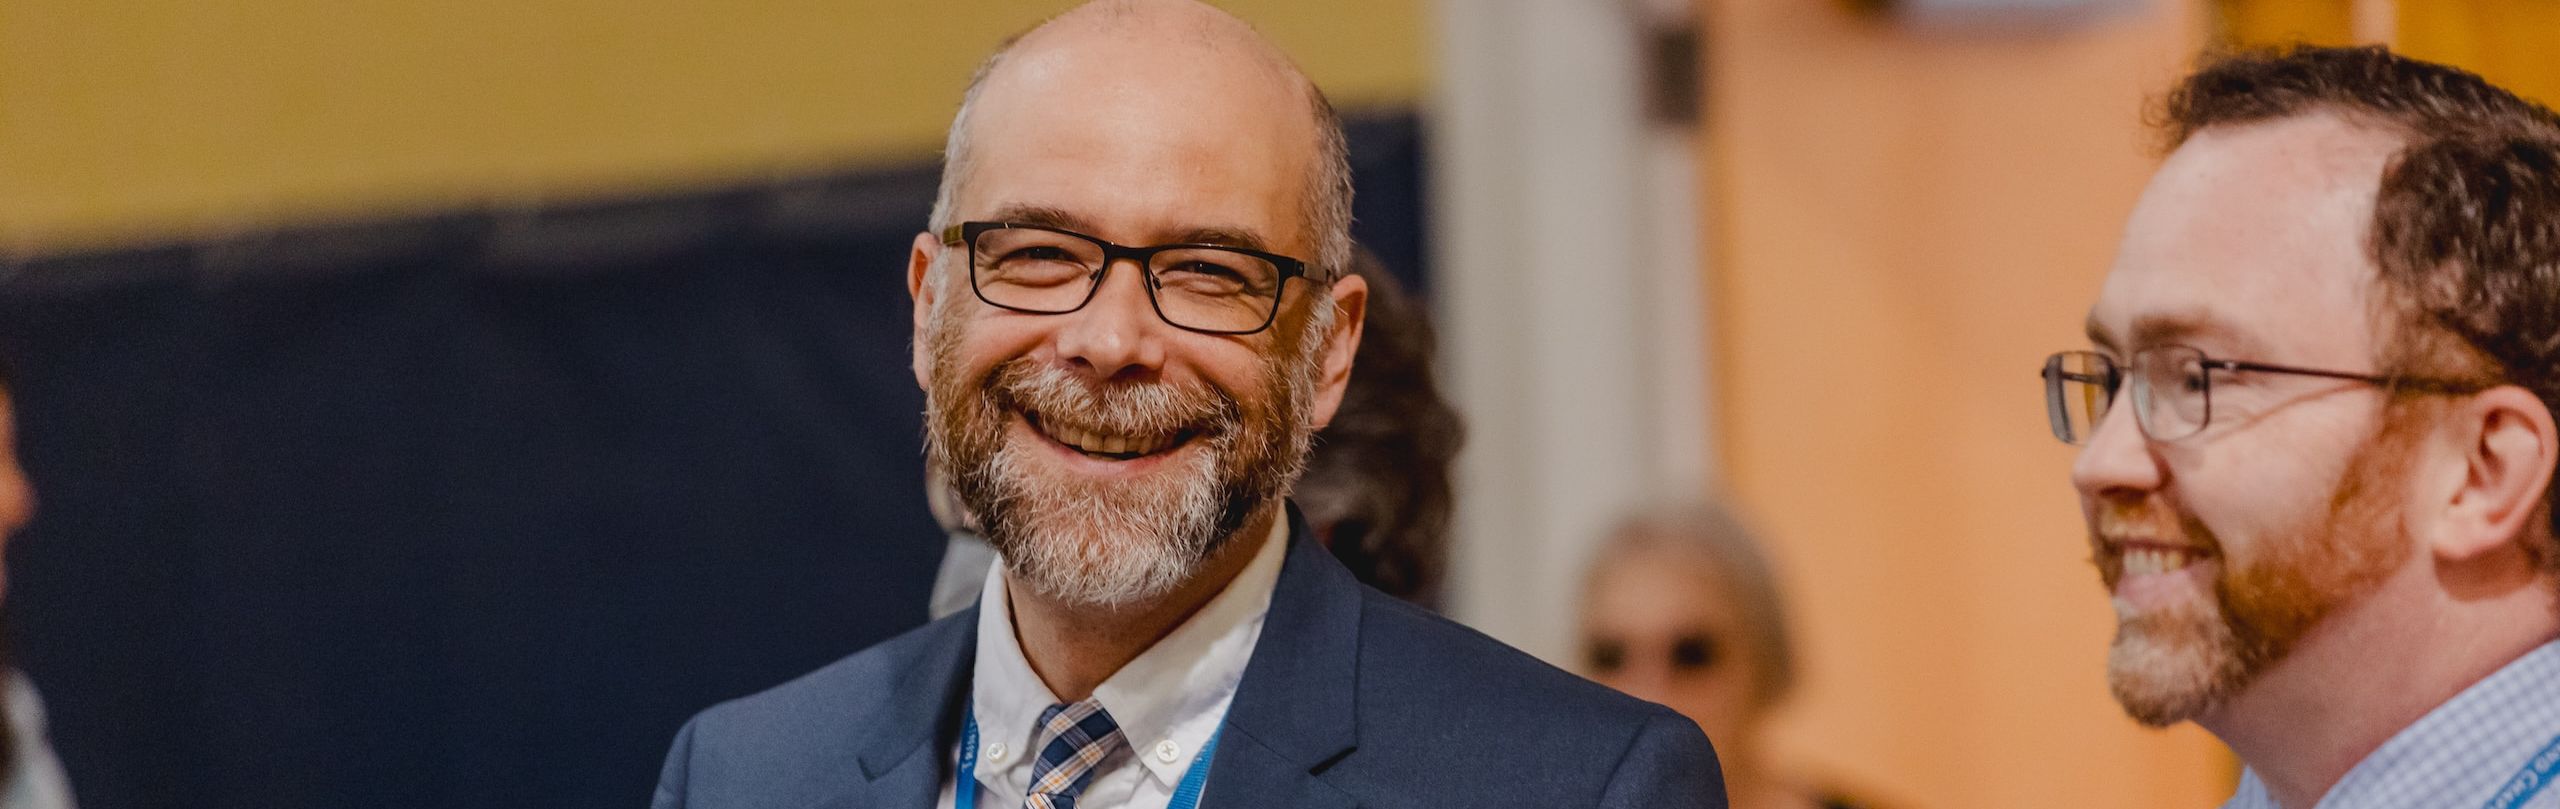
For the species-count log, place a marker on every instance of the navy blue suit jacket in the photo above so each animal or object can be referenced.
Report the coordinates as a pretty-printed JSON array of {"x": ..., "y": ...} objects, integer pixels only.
[{"x": 1351, "y": 698}]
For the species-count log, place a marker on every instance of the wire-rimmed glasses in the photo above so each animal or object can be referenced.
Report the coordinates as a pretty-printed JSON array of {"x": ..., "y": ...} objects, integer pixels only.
[
  {"x": 2172, "y": 388},
  {"x": 1037, "y": 269}
]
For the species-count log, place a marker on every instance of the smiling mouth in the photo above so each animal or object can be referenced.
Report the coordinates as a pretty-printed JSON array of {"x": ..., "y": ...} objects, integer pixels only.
[
  {"x": 1108, "y": 446},
  {"x": 2146, "y": 559}
]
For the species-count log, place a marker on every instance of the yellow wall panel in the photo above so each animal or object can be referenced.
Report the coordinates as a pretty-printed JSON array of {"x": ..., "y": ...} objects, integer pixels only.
[
  {"x": 2515, "y": 43},
  {"x": 133, "y": 118},
  {"x": 2271, "y": 22},
  {"x": 2511, "y": 42}
]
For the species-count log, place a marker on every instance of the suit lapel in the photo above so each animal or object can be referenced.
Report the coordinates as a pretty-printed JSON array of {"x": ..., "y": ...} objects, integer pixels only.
[
  {"x": 900, "y": 761},
  {"x": 1292, "y": 717},
  {"x": 1294, "y": 712},
  {"x": 1248, "y": 772}
]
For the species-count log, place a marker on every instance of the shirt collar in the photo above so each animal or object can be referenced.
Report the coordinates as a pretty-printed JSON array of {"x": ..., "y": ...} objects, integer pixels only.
[
  {"x": 1005, "y": 696},
  {"x": 2461, "y": 752},
  {"x": 1175, "y": 691}
]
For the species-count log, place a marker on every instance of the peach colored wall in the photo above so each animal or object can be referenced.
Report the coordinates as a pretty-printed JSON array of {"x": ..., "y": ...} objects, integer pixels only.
[{"x": 1904, "y": 224}]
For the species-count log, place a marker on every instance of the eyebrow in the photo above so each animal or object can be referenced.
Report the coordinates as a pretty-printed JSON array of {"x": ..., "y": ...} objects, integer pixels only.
[
  {"x": 2171, "y": 328},
  {"x": 1224, "y": 237},
  {"x": 1041, "y": 215},
  {"x": 1060, "y": 218}
]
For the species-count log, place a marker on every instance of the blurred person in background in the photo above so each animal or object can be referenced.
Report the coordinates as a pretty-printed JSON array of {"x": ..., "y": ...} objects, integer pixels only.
[
  {"x": 1376, "y": 489},
  {"x": 34, "y": 778},
  {"x": 1131, "y": 315},
  {"x": 2325, "y": 511},
  {"x": 1681, "y": 607}
]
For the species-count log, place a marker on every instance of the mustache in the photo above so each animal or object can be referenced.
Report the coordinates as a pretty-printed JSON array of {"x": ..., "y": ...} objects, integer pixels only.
[
  {"x": 1151, "y": 408},
  {"x": 2115, "y": 521},
  {"x": 2112, "y": 523}
]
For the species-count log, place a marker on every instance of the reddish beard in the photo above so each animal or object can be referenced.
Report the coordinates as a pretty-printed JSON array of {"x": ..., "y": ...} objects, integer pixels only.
[{"x": 2172, "y": 665}]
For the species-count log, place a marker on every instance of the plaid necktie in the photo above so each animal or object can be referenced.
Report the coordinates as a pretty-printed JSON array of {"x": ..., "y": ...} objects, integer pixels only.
[{"x": 1073, "y": 739}]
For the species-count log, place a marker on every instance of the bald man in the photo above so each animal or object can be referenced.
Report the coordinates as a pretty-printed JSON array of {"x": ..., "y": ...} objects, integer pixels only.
[{"x": 1130, "y": 314}]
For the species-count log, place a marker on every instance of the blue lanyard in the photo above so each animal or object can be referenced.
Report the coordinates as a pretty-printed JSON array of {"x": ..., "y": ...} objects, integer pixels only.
[
  {"x": 2537, "y": 773},
  {"x": 964, "y": 789}
]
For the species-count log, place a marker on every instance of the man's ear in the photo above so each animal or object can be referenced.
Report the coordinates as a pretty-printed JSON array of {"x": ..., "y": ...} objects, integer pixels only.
[
  {"x": 1333, "y": 374},
  {"x": 2508, "y": 445},
  {"x": 922, "y": 289}
]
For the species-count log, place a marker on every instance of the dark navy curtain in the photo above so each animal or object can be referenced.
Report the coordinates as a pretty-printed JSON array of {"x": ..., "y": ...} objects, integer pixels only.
[{"x": 473, "y": 510}]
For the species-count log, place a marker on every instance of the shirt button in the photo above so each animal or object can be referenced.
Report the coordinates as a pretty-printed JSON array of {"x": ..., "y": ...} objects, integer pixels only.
[
  {"x": 1167, "y": 751},
  {"x": 995, "y": 752}
]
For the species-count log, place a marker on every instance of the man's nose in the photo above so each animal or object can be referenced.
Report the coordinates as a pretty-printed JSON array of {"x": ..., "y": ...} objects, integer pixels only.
[
  {"x": 1117, "y": 334},
  {"x": 2116, "y": 458}
]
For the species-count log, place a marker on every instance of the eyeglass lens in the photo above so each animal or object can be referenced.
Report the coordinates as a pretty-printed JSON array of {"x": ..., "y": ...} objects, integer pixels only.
[
  {"x": 2172, "y": 396},
  {"x": 1207, "y": 288},
  {"x": 2078, "y": 387}
]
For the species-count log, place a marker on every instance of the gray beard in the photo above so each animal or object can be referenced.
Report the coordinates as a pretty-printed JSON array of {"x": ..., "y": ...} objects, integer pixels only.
[
  {"x": 1108, "y": 545},
  {"x": 1094, "y": 545}
]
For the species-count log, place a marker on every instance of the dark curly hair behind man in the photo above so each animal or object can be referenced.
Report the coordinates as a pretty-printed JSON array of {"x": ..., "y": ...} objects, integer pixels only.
[{"x": 1377, "y": 484}]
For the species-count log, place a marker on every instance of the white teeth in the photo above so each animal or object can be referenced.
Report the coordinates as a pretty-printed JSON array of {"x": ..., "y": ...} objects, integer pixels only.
[
  {"x": 2148, "y": 561},
  {"x": 1105, "y": 444}
]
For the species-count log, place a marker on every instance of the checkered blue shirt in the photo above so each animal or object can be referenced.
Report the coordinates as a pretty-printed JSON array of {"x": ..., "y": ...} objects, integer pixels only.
[{"x": 2458, "y": 755}]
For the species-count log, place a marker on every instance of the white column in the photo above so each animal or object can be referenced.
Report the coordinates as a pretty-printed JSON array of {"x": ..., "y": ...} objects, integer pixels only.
[{"x": 1567, "y": 277}]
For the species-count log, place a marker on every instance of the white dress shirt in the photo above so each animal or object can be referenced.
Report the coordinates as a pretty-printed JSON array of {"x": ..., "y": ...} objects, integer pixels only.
[
  {"x": 1168, "y": 701},
  {"x": 35, "y": 780},
  {"x": 2458, "y": 755}
]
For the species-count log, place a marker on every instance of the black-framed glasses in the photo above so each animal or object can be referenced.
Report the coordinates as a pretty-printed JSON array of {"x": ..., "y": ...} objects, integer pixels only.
[
  {"x": 1041, "y": 270},
  {"x": 2172, "y": 387}
]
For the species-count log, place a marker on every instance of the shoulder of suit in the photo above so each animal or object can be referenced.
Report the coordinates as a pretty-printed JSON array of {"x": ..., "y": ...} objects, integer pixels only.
[
  {"x": 849, "y": 688},
  {"x": 1429, "y": 660}
]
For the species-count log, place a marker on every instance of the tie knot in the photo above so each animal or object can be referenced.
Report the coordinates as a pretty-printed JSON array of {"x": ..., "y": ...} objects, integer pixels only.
[{"x": 1074, "y": 738}]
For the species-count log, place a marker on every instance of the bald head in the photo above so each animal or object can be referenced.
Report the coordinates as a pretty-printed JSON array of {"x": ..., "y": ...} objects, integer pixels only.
[
  {"x": 1170, "y": 70},
  {"x": 1168, "y": 24}
]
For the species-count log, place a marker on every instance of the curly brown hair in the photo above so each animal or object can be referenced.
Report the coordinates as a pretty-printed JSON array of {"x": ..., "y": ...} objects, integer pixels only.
[{"x": 2465, "y": 237}]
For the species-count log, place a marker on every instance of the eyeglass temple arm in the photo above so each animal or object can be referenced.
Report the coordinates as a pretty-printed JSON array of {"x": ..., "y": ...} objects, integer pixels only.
[{"x": 2413, "y": 382}]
